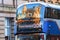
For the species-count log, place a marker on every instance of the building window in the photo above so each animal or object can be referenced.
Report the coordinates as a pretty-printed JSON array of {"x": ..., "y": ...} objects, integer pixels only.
[
  {"x": 8, "y": 2},
  {"x": 1, "y": 2},
  {"x": 14, "y": 3},
  {"x": 8, "y": 23},
  {"x": 7, "y": 28}
]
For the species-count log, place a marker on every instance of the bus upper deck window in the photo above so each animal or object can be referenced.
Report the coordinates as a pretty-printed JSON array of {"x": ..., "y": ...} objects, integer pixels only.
[{"x": 52, "y": 13}]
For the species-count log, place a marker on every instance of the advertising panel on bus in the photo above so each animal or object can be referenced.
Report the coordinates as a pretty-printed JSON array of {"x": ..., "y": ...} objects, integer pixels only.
[{"x": 29, "y": 15}]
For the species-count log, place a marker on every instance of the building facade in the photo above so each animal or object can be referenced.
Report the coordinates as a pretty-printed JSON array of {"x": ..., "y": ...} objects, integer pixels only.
[{"x": 7, "y": 17}]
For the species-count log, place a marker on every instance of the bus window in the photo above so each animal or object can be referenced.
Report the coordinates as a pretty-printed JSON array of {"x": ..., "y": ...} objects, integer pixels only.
[
  {"x": 52, "y": 13},
  {"x": 58, "y": 14}
]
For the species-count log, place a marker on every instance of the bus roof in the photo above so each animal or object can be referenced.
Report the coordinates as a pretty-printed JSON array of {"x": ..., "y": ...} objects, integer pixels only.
[{"x": 42, "y": 3}]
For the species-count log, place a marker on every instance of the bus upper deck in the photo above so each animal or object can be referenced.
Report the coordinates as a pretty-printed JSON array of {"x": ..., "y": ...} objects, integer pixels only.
[
  {"x": 36, "y": 14},
  {"x": 43, "y": 4}
]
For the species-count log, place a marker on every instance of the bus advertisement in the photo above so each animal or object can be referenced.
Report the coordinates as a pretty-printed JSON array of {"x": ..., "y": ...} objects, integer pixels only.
[
  {"x": 29, "y": 17},
  {"x": 38, "y": 17}
]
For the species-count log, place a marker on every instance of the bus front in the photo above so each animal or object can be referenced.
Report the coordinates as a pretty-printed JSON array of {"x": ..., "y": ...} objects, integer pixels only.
[{"x": 29, "y": 18}]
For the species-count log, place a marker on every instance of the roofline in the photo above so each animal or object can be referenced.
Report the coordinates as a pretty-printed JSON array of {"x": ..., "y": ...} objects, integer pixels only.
[{"x": 42, "y": 3}]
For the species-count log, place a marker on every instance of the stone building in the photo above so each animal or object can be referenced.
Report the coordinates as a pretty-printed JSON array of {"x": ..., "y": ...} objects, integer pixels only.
[{"x": 7, "y": 17}]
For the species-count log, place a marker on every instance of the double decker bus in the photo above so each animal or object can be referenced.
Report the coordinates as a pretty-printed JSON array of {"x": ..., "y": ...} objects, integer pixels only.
[{"x": 35, "y": 20}]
